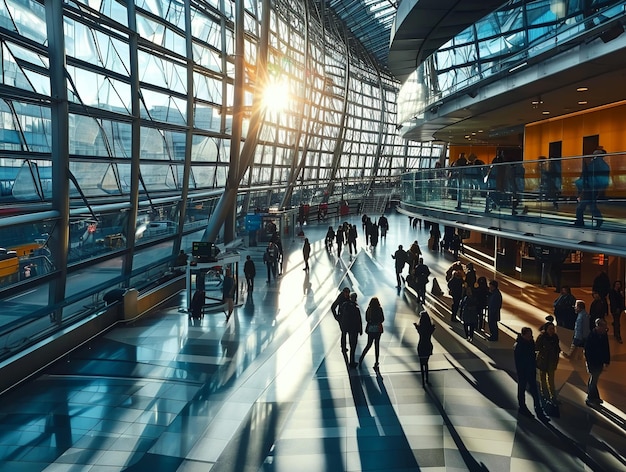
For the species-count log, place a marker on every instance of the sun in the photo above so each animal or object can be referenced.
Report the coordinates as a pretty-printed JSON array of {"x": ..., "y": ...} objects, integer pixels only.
[{"x": 276, "y": 96}]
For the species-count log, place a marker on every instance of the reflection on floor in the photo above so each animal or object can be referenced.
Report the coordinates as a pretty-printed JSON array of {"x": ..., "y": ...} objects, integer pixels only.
[{"x": 270, "y": 389}]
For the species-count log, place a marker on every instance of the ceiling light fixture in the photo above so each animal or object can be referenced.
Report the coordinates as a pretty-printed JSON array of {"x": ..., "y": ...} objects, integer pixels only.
[
  {"x": 582, "y": 102},
  {"x": 582, "y": 89},
  {"x": 545, "y": 112}
]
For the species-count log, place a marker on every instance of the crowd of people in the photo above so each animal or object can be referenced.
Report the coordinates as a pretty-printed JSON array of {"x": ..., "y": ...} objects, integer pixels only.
[
  {"x": 347, "y": 234},
  {"x": 476, "y": 302}
]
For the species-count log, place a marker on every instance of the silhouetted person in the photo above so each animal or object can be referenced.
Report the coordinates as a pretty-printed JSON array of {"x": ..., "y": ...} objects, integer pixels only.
[
  {"x": 249, "y": 270},
  {"x": 425, "y": 328}
]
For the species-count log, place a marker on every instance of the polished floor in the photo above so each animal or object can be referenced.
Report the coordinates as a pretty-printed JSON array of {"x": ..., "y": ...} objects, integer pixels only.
[{"x": 270, "y": 391}]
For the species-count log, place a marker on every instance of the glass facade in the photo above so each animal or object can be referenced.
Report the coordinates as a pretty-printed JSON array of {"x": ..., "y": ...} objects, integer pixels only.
[
  {"x": 520, "y": 31},
  {"x": 117, "y": 123}
]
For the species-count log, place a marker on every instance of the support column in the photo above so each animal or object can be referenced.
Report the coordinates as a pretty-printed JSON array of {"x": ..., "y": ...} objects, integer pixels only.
[{"x": 59, "y": 114}]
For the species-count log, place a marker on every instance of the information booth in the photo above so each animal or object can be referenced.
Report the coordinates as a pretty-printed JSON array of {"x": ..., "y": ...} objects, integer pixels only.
[
  {"x": 262, "y": 227},
  {"x": 205, "y": 271}
]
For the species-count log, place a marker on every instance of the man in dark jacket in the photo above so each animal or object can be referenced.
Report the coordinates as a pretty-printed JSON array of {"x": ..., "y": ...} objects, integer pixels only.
[
  {"x": 597, "y": 354},
  {"x": 494, "y": 305},
  {"x": 343, "y": 297},
  {"x": 249, "y": 271},
  {"x": 526, "y": 366},
  {"x": 352, "y": 324},
  {"x": 421, "y": 279},
  {"x": 401, "y": 258}
]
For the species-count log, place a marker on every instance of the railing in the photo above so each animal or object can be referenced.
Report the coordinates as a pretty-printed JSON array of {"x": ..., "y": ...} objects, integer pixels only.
[{"x": 575, "y": 191}]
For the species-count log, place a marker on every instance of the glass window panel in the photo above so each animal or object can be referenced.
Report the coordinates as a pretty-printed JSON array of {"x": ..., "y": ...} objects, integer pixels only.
[
  {"x": 91, "y": 238},
  {"x": 207, "y": 58},
  {"x": 162, "y": 107},
  {"x": 96, "y": 47},
  {"x": 100, "y": 91},
  {"x": 158, "y": 71},
  {"x": 24, "y": 252},
  {"x": 28, "y": 16},
  {"x": 204, "y": 149},
  {"x": 160, "y": 35},
  {"x": 202, "y": 177},
  {"x": 171, "y": 11},
  {"x": 33, "y": 132},
  {"x": 88, "y": 137},
  {"x": 206, "y": 117},
  {"x": 96, "y": 178},
  {"x": 207, "y": 88},
  {"x": 159, "y": 177}
]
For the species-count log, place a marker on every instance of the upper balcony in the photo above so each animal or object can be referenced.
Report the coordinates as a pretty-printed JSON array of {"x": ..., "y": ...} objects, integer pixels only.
[
  {"x": 531, "y": 201},
  {"x": 422, "y": 26},
  {"x": 487, "y": 77}
]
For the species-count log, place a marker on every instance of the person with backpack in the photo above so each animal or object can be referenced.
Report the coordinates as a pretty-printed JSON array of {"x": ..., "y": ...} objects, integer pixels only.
[{"x": 593, "y": 181}]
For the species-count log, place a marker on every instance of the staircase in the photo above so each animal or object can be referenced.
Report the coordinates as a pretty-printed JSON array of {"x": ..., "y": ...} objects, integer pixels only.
[{"x": 374, "y": 205}]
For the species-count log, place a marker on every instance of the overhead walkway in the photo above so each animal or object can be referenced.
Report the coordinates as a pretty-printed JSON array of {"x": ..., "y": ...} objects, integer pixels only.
[
  {"x": 516, "y": 205},
  {"x": 270, "y": 390}
]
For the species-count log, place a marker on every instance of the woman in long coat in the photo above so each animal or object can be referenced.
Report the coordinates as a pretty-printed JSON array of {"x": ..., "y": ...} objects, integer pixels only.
[{"x": 425, "y": 329}]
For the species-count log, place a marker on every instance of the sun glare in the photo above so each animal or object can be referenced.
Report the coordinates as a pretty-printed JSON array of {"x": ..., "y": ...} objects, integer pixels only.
[{"x": 276, "y": 96}]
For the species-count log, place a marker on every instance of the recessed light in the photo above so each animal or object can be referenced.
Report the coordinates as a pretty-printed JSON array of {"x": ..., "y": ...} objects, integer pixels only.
[
  {"x": 582, "y": 102},
  {"x": 545, "y": 112},
  {"x": 582, "y": 89}
]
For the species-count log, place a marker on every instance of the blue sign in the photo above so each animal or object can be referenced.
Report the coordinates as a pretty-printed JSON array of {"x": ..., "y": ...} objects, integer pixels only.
[{"x": 253, "y": 222}]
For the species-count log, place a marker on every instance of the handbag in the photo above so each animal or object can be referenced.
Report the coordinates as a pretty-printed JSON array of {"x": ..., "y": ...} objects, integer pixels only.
[{"x": 374, "y": 328}]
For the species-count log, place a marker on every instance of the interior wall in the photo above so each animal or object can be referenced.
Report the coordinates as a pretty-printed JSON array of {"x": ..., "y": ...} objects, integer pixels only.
[{"x": 605, "y": 122}]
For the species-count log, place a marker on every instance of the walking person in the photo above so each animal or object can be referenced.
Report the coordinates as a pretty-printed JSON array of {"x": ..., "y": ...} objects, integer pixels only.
[
  {"x": 352, "y": 325},
  {"x": 352, "y": 237},
  {"x": 494, "y": 307},
  {"x": 306, "y": 253},
  {"x": 383, "y": 224},
  {"x": 401, "y": 258},
  {"x": 228, "y": 293},
  {"x": 249, "y": 270},
  {"x": 374, "y": 318},
  {"x": 343, "y": 297},
  {"x": 526, "y": 367},
  {"x": 581, "y": 330},
  {"x": 425, "y": 329},
  {"x": 421, "y": 274},
  {"x": 482, "y": 295},
  {"x": 469, "y": 313},
  {"x": 455, "y": 287},
  {"x": 598, "y": 355},
  {"x": 616, "y": 302},
  {"x": 564, "y": 312},
  {"x": 270, "y": 259},
  {"x": 598, "y": 309},
  {"x": 548, "y": 350},
  {"x": 339, "y": 238},
  {"x": 373, "y": 232},
  {"x": 330, "y": 239},
  {"x": 593, "y": 181}
]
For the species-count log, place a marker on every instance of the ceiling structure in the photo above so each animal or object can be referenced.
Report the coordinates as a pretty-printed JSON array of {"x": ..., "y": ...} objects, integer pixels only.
[
  {"x": 401, "y": 35},
  {"x": 370, "y": 21}
]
